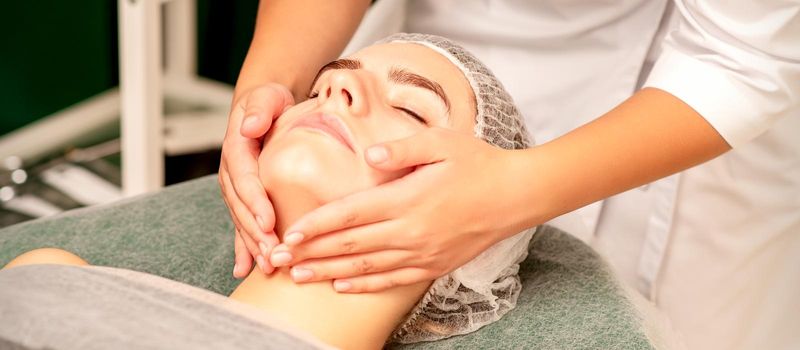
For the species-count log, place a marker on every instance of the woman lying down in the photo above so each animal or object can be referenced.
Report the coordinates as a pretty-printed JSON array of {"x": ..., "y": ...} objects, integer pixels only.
[{"x": 314, "y": 154}]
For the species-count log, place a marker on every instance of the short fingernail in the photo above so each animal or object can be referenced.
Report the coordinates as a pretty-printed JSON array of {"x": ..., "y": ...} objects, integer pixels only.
[
  {"x": 377, "y": 154},
  {"x": 236, "y": 270},
  {"x": 293, "y": 238},
  {"x": 281, "y": 258},
  {"x": 260, "y": 262},
  {"x": 249, "y": 121},
  {"x": 263, "y": 248},
  {"x": 342, "y": 286},
  {"x": 300, "y": 274},
  {"x": 261, "y": 224}
]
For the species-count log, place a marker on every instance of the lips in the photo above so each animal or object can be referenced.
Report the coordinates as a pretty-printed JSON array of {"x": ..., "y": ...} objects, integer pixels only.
[{"x": 328, "y": 124}]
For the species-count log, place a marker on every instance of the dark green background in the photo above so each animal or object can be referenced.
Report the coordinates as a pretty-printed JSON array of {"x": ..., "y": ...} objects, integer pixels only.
[{"x": 56, "y": 53}]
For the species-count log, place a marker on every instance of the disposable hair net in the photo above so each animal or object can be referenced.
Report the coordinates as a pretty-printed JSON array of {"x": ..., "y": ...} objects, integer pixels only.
[{"x": 487, "y": 287}]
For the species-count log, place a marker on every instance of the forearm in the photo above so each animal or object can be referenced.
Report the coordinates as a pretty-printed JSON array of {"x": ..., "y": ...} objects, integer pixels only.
[
  {"x": 293, "y": 38},
  {"x": 650, "y": 136}
]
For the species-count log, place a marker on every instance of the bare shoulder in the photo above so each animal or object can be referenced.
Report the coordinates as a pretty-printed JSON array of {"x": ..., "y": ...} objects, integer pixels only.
[{"x": 46, "y": 256}]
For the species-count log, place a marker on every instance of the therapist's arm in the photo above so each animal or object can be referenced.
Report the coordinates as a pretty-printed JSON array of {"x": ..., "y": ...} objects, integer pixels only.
[
  {"x": 650, "y": 136},
  {"x": 292, "y": 39}
]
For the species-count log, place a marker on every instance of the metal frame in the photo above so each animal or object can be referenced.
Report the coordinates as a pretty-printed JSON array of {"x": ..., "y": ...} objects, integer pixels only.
[
  {"x": 141, "y": 97},
  {"x": 145, "y": 83}
]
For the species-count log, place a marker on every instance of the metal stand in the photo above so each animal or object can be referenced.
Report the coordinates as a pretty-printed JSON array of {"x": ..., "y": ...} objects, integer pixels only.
[{"x": 145, "y": 83}]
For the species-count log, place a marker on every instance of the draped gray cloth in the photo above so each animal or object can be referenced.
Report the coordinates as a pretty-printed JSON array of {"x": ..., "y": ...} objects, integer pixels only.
[{"x": 83, "y": 308}]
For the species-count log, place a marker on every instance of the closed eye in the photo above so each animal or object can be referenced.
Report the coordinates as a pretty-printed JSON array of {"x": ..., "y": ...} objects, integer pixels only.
[{"x": 413, "y": 114}]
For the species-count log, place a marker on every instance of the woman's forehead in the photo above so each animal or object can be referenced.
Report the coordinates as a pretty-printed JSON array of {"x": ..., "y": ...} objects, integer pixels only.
[
  {"x": 424, "y": 61},
  {"x": 407, "y": 55}
]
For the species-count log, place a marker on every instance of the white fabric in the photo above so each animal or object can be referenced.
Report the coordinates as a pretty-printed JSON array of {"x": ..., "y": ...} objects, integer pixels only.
[
  {"x": 747, "y": 52},
  {"x": 717, "y": 247}
]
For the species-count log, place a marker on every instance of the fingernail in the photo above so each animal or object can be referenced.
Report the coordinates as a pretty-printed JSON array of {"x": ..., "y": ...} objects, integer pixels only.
[
  {"x": 263, "y": 248},
  {"x": 281, "y": 258},
  {"x": 300, "y": 274},
  {"x": 261, "y": 224},
  {"x": 342, "y": 286},
  {"x": 260, "y": 262},
  {"x": 235, "y": 270},
  {"x": 249, "y": 121},
  {"x": 293, "y": 238},
  {"x": 377, "y": 154}
]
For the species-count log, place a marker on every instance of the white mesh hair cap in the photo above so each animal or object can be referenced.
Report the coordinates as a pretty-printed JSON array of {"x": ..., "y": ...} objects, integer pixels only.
[{"x": 487, "y": 287}]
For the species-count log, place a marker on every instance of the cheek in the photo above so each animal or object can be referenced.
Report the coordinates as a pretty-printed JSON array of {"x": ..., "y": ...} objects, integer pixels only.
[{"x": 389, "y": 126}]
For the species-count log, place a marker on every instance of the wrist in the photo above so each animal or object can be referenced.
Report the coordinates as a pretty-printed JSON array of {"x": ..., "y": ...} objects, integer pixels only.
[{"x": 530, "y": 191}]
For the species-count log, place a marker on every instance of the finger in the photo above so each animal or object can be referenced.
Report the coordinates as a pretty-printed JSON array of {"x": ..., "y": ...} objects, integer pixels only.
[
  {"x": 253, "y": 195},
  {"x": 362, "y": 239},
  {"x": 259, "y": 244},
  {"x": 382, "y": 280},
  {"x": 263, "y": 105},
  {"x": 422, "y": 148},
  {"x": 361, "y": 208},
  {"x": 350, "y": 265},
  {"x": 244, "y": 261},
  {"x": 252, "y": 246},
  {"x": 265, "y": 247},
  {"x": 236, "y": 224},
  {"x": 237, "y": 232},
  {"x": 226, "y": 188},
  {"x": 243, "y": 185},
  {"x": 243, "y": 217}
]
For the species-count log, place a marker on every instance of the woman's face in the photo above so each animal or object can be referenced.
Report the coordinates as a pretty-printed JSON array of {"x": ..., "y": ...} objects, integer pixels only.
[{"x": 381, "y": 93}]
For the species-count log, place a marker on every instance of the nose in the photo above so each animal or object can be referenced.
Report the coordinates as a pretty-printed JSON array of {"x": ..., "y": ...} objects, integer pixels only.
[{"x": 346, "y": 91}]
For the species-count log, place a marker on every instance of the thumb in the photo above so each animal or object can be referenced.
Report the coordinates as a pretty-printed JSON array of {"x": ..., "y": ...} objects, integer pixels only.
[
  {"x": 263, "y": 105},
  {"x": 423, "y": 148}
]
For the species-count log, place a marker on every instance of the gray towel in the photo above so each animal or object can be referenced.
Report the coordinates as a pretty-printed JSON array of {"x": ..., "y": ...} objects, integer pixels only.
[{"x": 69, "y": 307}]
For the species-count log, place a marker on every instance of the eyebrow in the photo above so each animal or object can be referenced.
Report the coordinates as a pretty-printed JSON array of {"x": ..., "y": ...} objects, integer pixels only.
[
  {"x": 402, "y": 76},
  {"x": 396, "y": 75}
]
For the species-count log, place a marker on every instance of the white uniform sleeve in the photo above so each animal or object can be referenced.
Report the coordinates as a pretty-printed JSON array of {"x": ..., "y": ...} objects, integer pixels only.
[{"x": 737, "y": 63}]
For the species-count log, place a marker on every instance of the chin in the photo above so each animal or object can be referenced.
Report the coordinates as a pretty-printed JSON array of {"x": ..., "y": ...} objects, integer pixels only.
[{"x": 304, "y": 166}]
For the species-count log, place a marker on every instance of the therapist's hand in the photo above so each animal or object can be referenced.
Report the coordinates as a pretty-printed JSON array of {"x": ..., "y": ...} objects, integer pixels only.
[
  {"x": 253, "y": 216},
  {"x": 457, "y": 203}
]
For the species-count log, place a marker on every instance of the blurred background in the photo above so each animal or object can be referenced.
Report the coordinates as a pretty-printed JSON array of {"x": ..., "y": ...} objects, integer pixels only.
[{"x": 59, "y": 102}]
